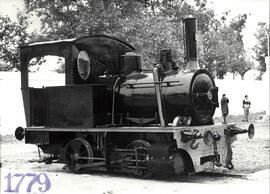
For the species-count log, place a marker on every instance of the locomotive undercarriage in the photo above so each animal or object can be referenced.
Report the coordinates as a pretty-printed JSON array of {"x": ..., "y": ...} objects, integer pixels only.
[{"x": 142, "y": 153}]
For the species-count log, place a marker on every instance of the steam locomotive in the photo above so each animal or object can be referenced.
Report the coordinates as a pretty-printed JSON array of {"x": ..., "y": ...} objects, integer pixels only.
[{"x": 113, "y": 116}]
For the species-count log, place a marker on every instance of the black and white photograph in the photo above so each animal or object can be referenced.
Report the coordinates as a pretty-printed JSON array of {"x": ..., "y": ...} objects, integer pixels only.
[{"x": 134, "y": 96}]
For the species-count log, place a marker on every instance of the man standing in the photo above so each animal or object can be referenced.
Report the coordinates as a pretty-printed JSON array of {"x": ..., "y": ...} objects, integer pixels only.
[
  {"x": 246, "y": 106},
  {"x": 224, "y": 107}
]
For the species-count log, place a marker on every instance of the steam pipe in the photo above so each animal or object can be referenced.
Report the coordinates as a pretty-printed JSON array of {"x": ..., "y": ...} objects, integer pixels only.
[
  {"x": 113, "y": 101},
  {"x": 160, "y": 101}
]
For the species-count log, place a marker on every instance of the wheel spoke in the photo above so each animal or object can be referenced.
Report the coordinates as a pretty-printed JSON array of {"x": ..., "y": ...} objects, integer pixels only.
[
  {"x": 77, "y": 151},
  {"x": 76, "y": 147},
  {"x": 141, "y": 146},
  {"x": 68, "y": 152},
  {"x": 82, "y": 153}
]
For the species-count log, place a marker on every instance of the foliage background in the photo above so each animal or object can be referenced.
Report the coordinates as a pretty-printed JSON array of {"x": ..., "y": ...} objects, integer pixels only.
[{"x": 149, "y": 25}]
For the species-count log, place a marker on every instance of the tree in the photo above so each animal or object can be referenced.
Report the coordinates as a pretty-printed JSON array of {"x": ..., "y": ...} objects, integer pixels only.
[
  {"x": 261, "y": 48},
  {"x": 238, "y": 24},
  {"x": 12, "y": 34},
  {"x": 240, "y": 64},
  {"x": 149, "y": 25},
  {"x": 63, "y": 19},
  {"x": 222, "y": 48},
  {"x": 129, "y": 20}
]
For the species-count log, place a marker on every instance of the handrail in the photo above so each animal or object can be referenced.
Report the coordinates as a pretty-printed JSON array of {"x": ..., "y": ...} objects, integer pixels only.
[{"x": 113, "y": 100}]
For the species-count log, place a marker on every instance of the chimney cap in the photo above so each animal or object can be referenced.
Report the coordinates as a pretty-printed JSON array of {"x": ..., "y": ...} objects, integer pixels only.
[{"x": 190, "y": 17}]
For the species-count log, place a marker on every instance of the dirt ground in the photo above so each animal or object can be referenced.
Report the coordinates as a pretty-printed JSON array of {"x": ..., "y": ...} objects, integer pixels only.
[{"x": 250, "y": 175}]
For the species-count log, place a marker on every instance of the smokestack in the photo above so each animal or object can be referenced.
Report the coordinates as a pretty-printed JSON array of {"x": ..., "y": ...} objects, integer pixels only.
[{"x": 190, "y": 27}]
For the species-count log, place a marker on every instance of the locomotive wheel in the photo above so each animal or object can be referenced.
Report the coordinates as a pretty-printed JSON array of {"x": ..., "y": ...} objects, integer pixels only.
[
  {"x": 77, "y": 152},
  {"x": 141, "y": 173},
  {"x": 178, "y": 163}
]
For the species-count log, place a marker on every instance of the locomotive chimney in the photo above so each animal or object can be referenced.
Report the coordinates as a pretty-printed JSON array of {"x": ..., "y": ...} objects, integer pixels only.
[{"x": 190, "y": 27}]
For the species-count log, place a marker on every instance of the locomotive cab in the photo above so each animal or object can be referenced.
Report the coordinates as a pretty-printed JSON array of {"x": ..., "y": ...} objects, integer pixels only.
[{"x": 86, "y": 59}]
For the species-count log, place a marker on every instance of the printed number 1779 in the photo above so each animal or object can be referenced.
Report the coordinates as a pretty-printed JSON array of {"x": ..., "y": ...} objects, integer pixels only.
[{"x": 42, "y": 179}]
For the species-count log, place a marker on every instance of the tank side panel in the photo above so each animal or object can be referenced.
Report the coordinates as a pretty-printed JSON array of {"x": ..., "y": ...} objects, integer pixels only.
[{"x": 138, "y": 97}]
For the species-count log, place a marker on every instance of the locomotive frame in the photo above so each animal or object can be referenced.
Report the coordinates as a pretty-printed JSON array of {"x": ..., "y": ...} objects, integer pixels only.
[{"x": 84, "y": 125}]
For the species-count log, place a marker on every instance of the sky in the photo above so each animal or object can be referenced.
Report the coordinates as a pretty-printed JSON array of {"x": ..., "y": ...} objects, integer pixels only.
[{"x": 257, "y": 10}]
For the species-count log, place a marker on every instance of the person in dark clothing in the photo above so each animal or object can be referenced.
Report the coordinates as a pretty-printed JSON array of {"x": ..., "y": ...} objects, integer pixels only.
[
  {"x": 246, "y": 107},
  {"x": 224, "y": 107}
]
